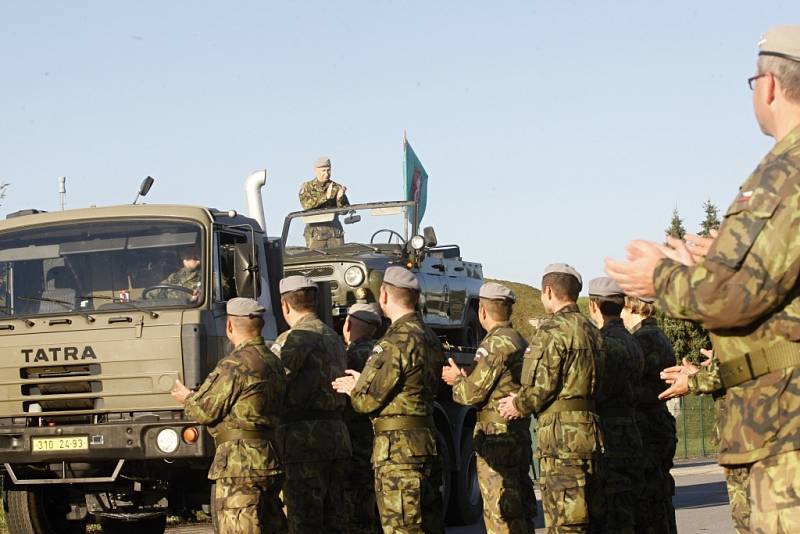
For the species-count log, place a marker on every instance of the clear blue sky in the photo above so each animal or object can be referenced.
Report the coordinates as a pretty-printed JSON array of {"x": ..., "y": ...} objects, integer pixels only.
[{"x": 552, "y": 131}]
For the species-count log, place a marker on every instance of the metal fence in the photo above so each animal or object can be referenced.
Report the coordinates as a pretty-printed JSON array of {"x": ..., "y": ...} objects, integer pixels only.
[{"x": 695, "y": 426}]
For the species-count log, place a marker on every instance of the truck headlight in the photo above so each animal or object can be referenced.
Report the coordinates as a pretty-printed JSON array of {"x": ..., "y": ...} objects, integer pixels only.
[
  {"x": 417, "y": 242},
  {"x": 354, "y": 276},
  {"x": 167, "y": 440}
]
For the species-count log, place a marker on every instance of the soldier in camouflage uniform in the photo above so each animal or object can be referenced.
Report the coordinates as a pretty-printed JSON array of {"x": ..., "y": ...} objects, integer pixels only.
[
  {"x": 319, "y": 193},
  {"x": 189, "y": 276},
  {"x": 745, "y": 294},
  {"x": 705, "y": 380},
  {"x": 504, "y": 447},
  {"x": 656, "y": 424},
  {"x": 359, "y": 330},
  {"x": 239, "y": 402},
  {"x": 397, "y": 389},
  {"x": 561, "y": 378},
  {"x": 621, "y": 464},
  {"x": 315, "y": 445}
]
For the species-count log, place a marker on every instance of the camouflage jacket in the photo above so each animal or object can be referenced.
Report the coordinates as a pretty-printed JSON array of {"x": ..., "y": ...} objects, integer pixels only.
[
  {"x": 707, "y": 380},
  {"x": 313, "y": 355},
  {"x": 495, "y": 376},
  {"x": 745, "y": 293},
  {"x": 184, "y": 277},
  {"x": 315, "y": 195},
  {"x": 618, "y": 395},
  {"x": 565, "y": 360},
  {"x": 243, "y": 392},
  {"x": 401, "y": 378},
  {"x": 359, "y": 426}
]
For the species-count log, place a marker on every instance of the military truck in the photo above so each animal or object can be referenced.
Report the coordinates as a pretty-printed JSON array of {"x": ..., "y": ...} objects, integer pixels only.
[
  {"x": 368, "y": 239},
  {"x": 92, "y": 339}
]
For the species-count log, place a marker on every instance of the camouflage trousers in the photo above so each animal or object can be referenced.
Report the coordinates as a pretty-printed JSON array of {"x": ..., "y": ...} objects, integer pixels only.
[
  {"x": 359, "y": 496},
  {"x": 313, "y": 496},
  {"x": 737, "y": 479},
  {"x": 409, "y": 497},
  {"x": 509, "y": 502},
  {"x": 249, "y": 505},
  {"x": 320, "y": 237},
  {"x": 775, "y": 494},
  {"x": 572, "y": 499}
]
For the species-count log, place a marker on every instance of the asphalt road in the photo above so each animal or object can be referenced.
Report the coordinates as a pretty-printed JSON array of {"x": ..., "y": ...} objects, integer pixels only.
[{"x": 701, "y": 503}]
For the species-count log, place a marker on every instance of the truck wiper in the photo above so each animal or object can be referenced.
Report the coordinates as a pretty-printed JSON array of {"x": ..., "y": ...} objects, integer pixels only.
[
  {"x": 373, "y": 249},
  {"x": 152, "y": 314},
  {"x": 68, "y": 305}
]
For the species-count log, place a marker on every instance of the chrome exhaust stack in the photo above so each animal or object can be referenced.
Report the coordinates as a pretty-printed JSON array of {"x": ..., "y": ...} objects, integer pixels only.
[{"x": 255, "y": 205}]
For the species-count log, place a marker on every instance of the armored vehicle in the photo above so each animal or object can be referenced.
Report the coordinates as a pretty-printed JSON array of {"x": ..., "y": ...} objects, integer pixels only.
[
  {"x": 101, "y": 310},
  {"x": 365, "y": 239}
]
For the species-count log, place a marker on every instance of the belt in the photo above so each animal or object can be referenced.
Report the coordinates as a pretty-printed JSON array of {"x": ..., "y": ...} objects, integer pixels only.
[
  {"x": 402, "y": 422},
  {"x": 570, "y": 405},
  {"x": 310, "y": 415},
  {"x": 233, "y": 434},
  {"x": 753, "y": 365},
  {"x": 489, "y": 416}
]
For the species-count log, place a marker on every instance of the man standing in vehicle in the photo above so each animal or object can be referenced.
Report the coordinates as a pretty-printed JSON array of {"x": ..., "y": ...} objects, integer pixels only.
[
  {"x": 504, "y": 447},
  {"x": 239, "y": 402},
  {"x": 397, "y": 389},
  {"x": 319, "y": 193}
]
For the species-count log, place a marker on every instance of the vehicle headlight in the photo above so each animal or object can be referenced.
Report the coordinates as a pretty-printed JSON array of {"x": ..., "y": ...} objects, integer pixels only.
[
  {"x": 167, "y": 440},
  {"x": 417, "y": 242},
  {"x": 354, "y": 276}
]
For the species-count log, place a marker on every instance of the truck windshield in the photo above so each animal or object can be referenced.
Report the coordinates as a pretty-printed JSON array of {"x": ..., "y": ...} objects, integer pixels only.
[
  {"x": 376, "y": 225},
  {"x": 100, "y": 265}
]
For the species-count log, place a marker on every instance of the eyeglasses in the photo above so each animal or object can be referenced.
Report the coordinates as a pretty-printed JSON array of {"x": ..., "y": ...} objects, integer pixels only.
[{"x": 751, "y": 80}]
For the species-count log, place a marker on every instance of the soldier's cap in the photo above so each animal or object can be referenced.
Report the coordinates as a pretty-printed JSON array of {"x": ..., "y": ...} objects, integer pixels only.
[
  {"x": 295, "y": 283},
  {"x": 564, "y": 268},
  {"x": 604, "y": 287},
  {"x": 495, "y": 291},
  {"x": 401, "y": 277},
  {"x": 369, "y": 313},
  {"x": 781, "y": 41},
  {"x": 322, "y": 162},
  {"x": 242, "y": 307}
]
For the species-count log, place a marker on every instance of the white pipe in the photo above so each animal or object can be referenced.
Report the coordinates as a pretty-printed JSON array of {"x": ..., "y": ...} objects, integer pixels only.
[{"x": 255, "y": 206}]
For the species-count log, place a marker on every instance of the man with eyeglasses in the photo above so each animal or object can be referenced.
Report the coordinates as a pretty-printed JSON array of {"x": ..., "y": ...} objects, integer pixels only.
[{"x": 745, "y": 292}]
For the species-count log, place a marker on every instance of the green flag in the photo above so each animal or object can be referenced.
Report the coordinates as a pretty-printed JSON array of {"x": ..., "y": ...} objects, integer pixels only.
[{"x": 416, "y": 179}]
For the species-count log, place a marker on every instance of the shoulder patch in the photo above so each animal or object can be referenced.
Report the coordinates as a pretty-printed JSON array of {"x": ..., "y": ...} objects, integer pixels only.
[
  {"x": 276, "y": 348},
  {"x": 528, "y": 350},
  {"x": 378, "y": 349},
  {"x": 481, "y": 353}
]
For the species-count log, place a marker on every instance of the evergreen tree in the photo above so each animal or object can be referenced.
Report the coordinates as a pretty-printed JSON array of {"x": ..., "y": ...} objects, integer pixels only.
[
  {"x": 711, "y": 222},
  {"x": 687, "y": 337}
]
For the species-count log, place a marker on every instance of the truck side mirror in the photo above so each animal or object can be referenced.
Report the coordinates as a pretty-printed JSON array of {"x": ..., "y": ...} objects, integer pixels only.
[
  {"x": 144, "y": 188},
  {"x": 245, "y": 271},
  {"x": 430, "y": 236}
]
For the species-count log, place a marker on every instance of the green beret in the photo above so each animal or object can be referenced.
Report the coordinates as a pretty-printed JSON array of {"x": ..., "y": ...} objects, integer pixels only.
[
  {"x": 563, "y": 268},
  {"x": 604, "y": 287},
  {"x": 242, "y": 307},
  {"x": 369, "y": 313},
  {"x": 295, "y": 283},
  {"x": 401, "y": 277},
  {"x": 495, "y": 291},
  {"x": 781, "y": 41},
  {"x": 322, "y": 162}
]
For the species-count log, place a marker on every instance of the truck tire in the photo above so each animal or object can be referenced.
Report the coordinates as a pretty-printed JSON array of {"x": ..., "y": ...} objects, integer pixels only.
[
  {"x": 466, "y": 503},
  {"x": 40, "y": 511},
  {"x": 445, "y": 454},
  {"x": 151, "y": 525}
]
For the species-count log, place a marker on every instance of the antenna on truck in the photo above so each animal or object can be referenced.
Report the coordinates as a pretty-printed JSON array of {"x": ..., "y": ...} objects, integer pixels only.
[
  {"x": 62, "y": 190},
  {"x": 147, "y": 183}
]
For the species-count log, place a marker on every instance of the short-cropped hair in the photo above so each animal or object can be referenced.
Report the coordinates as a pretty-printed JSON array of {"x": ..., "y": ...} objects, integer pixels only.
[
  {"x": 564, "y": 286},
  {"x": 786, "y": 70},
  {"x": 251, "y": 325},
  {"x": 498, "y": 309},
  {"x": 408, "y": 298},
  {"x": 610, "y": 306},
  {"x": 302, "y": 300}
]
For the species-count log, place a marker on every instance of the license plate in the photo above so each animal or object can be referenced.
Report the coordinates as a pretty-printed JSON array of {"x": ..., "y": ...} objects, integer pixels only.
[{"x": 66, "y": 443}]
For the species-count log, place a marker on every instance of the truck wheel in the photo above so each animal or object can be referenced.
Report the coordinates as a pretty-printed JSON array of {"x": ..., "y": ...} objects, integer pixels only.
[
  {"x": 466, "y": 505},
  {"x": 152, "y": 525},
  {"x": 40, "y": 511},
  {"x": 444, "y": 461}
]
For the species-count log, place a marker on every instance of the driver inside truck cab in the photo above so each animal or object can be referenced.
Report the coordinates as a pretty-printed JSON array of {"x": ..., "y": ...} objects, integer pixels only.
[{"x": 188, "y": 276}]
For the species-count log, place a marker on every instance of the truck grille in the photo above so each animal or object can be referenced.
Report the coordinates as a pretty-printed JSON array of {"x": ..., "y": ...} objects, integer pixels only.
[
  {"x": 312, "y": 272},
  {"x": 71, "y": 387}
]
